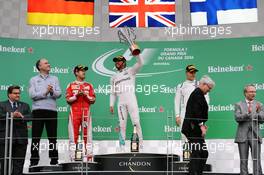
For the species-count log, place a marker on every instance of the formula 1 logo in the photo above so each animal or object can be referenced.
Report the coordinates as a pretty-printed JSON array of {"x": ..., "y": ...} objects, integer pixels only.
[{"x": 100, "y": 67}]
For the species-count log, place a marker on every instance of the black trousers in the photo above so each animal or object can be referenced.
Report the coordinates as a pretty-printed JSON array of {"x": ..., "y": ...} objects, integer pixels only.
[
  {"x": 48, "y": 119},
  {"x": 199, "y": 155},
  {"x": 18, "y": 158}
]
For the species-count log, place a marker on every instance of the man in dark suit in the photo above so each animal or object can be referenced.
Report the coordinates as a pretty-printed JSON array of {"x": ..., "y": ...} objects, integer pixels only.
[
  {"x": 249, "y": 113},
  {"x": 21, "y": 114},
  {"x": 194, "y": 127}
]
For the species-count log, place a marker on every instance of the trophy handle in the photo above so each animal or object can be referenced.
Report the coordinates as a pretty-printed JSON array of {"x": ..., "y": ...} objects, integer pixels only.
[{"x": 134, "y": 50}]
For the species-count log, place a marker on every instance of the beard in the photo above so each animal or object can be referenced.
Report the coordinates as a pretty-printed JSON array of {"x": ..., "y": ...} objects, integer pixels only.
[{"x": 121, "y": 67}]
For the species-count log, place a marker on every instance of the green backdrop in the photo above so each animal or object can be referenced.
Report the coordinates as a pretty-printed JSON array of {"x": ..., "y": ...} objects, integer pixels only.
[{"x": 232, "y": 63}]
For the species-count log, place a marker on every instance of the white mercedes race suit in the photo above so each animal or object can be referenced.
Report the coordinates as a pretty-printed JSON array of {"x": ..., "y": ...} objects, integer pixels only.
[
  {"x": 183, "y": 93},
  {"x": 123, "y": 87}
]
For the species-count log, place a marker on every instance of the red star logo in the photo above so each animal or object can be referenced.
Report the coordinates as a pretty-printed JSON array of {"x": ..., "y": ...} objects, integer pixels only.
[
  {"x": 117, "y": 129},
  {"x": 30, "y": 50},
  {"x": 249, "y": 68},
  {"x": 161, "y": 109}
]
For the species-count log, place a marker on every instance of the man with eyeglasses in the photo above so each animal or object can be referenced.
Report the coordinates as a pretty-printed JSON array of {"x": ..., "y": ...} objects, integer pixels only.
[
  {"x": 182, "y": 95},
  {"x": 194, "y": 127},
  {"x": 249, "y": 114},
  {"x": 21, "y": 113}
]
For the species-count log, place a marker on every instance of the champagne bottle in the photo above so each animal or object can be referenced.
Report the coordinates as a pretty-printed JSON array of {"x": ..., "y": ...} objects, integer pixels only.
[
  {"x": 79, "y": 149},
  {"x": 186, "y": 152},
  {"x": 134, "y": 147}
]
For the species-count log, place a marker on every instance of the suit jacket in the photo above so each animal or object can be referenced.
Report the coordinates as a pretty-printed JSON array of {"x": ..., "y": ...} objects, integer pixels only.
[
  {"x": 196, "y": 113},
  {"x": 245, "y": 121},
  {"x": 20, "y": 134}
]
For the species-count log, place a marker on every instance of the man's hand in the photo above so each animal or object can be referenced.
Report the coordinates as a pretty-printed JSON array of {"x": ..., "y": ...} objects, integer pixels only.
[
  {"x": 90, "y": 98},
  {"x": 258, "y": 108},
  {"x": 203, "y": 129},
  {"x": 178, "y": 120},
  {"x": 80, "y": 93},
  {"x": 49, "y": 90},
  {"x": 17, "y": 114},
  {"x": 111, "y": 109}
]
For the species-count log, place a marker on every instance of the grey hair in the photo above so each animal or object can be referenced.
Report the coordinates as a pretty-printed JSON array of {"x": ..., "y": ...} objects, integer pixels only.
[
  {"x": 207, "y": 80},
  {"x": 248, "y": 85}
]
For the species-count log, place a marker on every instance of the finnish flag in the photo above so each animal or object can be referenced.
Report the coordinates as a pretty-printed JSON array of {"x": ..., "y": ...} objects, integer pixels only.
[{"x": 213, "y": 12}]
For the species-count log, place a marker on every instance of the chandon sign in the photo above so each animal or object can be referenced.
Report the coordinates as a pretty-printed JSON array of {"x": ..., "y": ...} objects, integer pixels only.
[{"x": 135, "y": 164}]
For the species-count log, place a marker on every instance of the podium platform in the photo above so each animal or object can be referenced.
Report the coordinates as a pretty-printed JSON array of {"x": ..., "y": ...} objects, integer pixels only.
[{"x": 122, "y": 163}]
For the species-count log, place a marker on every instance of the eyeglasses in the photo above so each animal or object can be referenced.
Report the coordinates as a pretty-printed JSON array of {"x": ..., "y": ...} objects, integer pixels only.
[
  {"x": 210, "y": 87},
  {"x": 16, "y": 93}
]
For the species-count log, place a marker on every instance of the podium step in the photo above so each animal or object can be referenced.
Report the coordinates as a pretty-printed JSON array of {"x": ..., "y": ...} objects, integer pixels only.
[
  {"x": 71, "y": 166},
  {"x": 50, "y": 168},
  {"x": 184, "y": 167},
  {"x": 80, "y": 166}
]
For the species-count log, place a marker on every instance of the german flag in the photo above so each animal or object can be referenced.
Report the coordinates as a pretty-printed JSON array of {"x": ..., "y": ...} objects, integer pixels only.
[{"x": 61, "y": 12}]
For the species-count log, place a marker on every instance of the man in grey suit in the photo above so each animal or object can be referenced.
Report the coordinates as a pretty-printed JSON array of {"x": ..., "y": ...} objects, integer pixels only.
[
  {"x": 249, "y": 113},
  {"x": 21, "y": 114}
]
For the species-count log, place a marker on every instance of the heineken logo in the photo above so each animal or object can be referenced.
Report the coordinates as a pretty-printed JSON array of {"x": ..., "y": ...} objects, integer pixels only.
[
  {"x": 229, "y": 68},
  {"x": 12, "y": 49},
  {"x": 219, "y": 108},
  {"x": 56, "y": 70},
  {"x": 257, "y": 47}
]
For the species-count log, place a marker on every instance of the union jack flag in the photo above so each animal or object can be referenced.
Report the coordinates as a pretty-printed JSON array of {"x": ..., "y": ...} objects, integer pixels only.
[{"x": 141, "y": 13}]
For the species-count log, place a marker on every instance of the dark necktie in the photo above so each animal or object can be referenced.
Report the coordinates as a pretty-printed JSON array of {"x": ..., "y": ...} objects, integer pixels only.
[
  {"x": 14, "y": 106},
  {"x": 249, "y": 107}
]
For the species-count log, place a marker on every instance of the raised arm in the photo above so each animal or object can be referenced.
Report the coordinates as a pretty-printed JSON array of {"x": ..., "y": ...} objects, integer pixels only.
[{"x": 135, "y": 69}]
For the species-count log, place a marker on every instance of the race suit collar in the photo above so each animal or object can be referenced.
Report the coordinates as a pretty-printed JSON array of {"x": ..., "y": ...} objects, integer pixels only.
[
  {"x": 123, "y": 70},
  {"x": 79, "y": 82},
  {"x": 190, "y": 81}
]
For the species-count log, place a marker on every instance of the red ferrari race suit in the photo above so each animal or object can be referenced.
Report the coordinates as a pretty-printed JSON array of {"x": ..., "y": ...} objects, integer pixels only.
[{"x": 80, "y": 95}]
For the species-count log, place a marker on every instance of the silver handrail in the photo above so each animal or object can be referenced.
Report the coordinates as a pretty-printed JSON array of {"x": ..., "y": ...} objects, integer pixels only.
[
  {"x": 10, "y": 144},
  {"x": 6, "y": 142}
]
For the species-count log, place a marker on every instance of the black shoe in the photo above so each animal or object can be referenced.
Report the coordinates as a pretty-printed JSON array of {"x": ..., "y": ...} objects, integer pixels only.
[{"x": 54, "y": 162}]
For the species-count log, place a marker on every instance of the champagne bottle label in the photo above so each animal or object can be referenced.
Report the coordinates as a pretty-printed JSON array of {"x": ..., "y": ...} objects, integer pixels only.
[
  {"x": 78, "y": 155},
  {"x": 79, "y": 149},
  {"x": 186, "y": 152},
  {"x": 134, "y": 146},
  {"x": 134, "y": 141}
]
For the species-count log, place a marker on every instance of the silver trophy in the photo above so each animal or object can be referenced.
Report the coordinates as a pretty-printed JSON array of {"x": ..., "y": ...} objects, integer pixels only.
[{"x": 127, "y": 35}]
